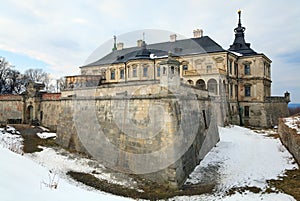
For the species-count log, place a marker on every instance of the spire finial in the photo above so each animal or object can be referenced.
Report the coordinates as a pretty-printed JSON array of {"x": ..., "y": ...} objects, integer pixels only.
[
  {"x": 115, "y": 43},
  {"x": 239, "y": 13},
  {"x": 143, "y": 36}
]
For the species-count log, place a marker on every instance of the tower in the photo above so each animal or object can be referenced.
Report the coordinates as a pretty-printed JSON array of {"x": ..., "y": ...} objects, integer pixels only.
[
  {"x": 170, "y": 77},
  {"x": 239, "y": 44}
]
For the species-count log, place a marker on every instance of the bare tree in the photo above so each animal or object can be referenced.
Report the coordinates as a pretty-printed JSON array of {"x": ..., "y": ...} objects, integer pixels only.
[
  {"x": 37, "y": 75},
  {"x": 11, "y": 80},
  {"x": 61, "y": 83}
]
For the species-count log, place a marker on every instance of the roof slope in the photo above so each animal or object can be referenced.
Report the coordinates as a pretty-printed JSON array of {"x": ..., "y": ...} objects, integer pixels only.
[{"x": 180, "y": 48}]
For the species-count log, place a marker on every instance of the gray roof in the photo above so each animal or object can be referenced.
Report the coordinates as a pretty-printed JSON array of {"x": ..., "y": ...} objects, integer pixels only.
[{"x": 178, "y": 48}]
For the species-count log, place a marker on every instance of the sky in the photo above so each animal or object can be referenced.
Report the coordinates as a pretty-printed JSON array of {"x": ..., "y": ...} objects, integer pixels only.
[{"x": 58, "y": 36}]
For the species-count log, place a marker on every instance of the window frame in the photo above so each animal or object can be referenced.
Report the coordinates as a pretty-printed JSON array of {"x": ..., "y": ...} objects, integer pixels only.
[
  {"x": 246, "y": 111},
  {"x": 247, "y": 69},
  {"x": 145, "y": 71},
  {"x": 122, "y": 74},
  {"x": 247, "y": 90},
  {"x": 134, "y": 72},
  {"x": 113, "y": 74}
]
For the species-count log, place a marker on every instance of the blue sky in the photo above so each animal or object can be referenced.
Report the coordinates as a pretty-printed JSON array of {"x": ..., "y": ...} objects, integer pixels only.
[{"x": 59, "y": 36}]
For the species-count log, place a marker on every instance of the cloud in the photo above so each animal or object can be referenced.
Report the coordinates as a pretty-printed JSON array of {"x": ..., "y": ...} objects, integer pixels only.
[{"x": 64, "y": 33}]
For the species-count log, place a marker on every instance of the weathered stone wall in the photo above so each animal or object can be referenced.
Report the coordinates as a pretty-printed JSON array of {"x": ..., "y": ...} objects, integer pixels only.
[
  {"x": 11, "y": 108},
  {"x": 257, "y": 114},
  {"x": 146, "y": 120},
  {"x": 50, "y": 110},
  {"x": 290, "y": 139},
  {"x": 276, "y": 107}
]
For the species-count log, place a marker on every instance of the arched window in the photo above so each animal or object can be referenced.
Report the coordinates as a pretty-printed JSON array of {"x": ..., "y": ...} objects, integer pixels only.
[
  {"x": 134, "y": 71},
  {"x": 122, "y": 72},
  {"x": 172, "y": 70},
  {"x": 201, "y": 84},
  {"x": 190, "y": 82},
  {"x": 164, "y": 70},
  {"x": 212, "y": 86}
]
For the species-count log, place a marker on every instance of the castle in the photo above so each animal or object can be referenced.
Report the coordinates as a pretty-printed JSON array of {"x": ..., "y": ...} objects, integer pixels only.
[
  {"x": 238, "y": 78},
  {"x": 136, "y": 101}
]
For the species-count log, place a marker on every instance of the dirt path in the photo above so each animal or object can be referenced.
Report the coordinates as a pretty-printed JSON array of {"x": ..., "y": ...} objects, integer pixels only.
[{"x": 31, "y": 140}]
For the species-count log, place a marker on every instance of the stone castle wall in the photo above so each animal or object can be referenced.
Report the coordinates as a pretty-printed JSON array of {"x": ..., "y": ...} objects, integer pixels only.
[
  {"x": 146, "y": 120},
  {"x": 290, "y": 139},
  {"x": 11, "y": 108},
  {"x": 51, "y": 109}
]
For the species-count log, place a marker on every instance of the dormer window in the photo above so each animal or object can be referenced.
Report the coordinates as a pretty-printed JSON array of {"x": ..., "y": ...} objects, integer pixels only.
[{"x": 185, "y": 67}]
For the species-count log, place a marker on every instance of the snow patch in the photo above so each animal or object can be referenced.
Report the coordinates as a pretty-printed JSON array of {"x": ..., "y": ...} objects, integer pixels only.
[
  {"x": 44, "y": 129},
  {"x": 11, "y": 141},
  {"x": 293, "y": 122},
  {"x": 243, "y": 158},
  {"x": 46, "y": 135}
]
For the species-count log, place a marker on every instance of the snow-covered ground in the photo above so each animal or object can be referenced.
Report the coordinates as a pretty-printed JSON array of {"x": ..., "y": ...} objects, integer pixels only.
[
  {"x": 241, "y": 158},
  {"x": 293, "y": 122}
]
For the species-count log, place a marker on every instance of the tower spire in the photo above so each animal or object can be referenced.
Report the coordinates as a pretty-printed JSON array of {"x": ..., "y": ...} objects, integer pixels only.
[
  {"x": 239, "y": 44},
  {"x": 115, "y": 43}
]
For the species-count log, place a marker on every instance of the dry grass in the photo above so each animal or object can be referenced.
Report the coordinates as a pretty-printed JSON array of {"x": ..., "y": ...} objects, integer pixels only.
[
  {"x": 289, "y": 184},
  {"x": 150, "y": 190}
]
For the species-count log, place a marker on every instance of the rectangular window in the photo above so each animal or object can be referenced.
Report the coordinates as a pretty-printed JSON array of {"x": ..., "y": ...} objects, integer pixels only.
[
  {"x": 112, "y": 74},
  {"x": 122, "y": 73},
  {"x": 158, "y": 71},
  {"x": 247, "y": 69},
  {"x": 230, "y": 67},
  {"x": 134, "y": 72},
  {"x": 236, "y": 90},
  {"x": 235, "y": 68},
  {"x": 204, "y": 118},
  {"x": 246, "y": 111},
  {"x": 231, "y": 90},
  {"x": 247, "y": 90},
  {"x": 145, "y": 71},
  {"x": 208, "y": 68}
]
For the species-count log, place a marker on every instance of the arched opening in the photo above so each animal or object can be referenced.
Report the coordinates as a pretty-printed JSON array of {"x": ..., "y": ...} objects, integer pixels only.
[
  {"x": 201, "y": 84},
  {"x": 172, "y": 70},
  {"x": 29, "y": 114},
  {"x": 190, "y": 82},
  {"x": 212, "y": 86}
]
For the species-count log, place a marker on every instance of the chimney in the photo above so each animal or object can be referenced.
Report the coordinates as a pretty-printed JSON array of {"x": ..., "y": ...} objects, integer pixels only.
[
  {"x": 120, "y": 46},
  {"x": 173, "y": 37},
  {"x": 198, "y": 33},
  {"x": 139, "y": 43}
]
